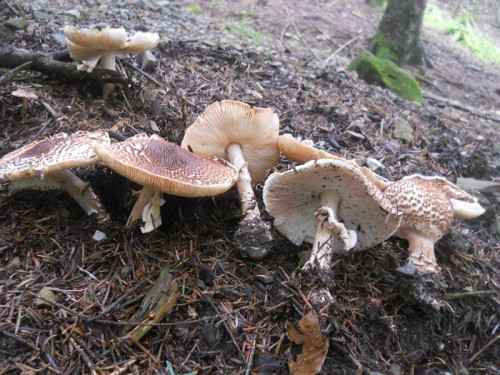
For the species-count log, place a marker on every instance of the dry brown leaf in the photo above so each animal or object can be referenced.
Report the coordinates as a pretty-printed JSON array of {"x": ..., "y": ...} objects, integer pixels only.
[{"x": 315, "y": 345}]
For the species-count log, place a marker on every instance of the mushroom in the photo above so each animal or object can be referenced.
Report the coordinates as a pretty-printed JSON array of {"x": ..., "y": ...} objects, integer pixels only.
[
  {"x": 330, "y": 204},
  {"x": 89, "y": 46},
  {"x": 302, "y": 152},
  {"x": 45, "y": 164},
  {"x": 163, "y": 167},
  {"x": 248, "y": 138},
  {"x": 25, "y": 94},
  {"x": 428, "y": 205}
]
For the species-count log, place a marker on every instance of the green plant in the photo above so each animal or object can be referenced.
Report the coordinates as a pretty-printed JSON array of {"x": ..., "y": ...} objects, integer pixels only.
[
  {"x": 193, "y": 8},
  {"x": 463, "y": 30},
  {"x": 243, "y": 30}
]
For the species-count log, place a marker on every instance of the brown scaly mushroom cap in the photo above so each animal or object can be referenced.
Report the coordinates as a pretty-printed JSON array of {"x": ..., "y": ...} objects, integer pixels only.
[
  {"x": 162, "y": 166},
  {"x": 331, "y": 204},
  {"x": 45, "y": 163},
  {"x": 248, "y": 138},
  {"x": 302, "y": 152},
  {"x": 428, "y": 205}
]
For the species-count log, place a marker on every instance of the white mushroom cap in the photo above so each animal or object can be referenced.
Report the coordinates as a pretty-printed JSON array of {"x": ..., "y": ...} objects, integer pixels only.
[
  {"x": 89, "y": 45},
  {"x": 166, "y": 167},
  {"x": 52, "y": 154},
  {"x": 293, "y": 197},
  {"x": 302, "y": 152},
  {"x": 255, "y": 129},
  {"x": 25, "y": 94}
]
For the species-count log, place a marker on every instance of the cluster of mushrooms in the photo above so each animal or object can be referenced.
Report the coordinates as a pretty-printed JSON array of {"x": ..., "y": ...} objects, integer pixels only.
[{"x": 325, "y": 200}]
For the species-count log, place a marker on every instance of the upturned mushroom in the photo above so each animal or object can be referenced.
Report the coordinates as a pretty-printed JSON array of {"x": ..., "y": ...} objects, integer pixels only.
[
  {"x": 90, "y": 46},
  {"x": 248, "y": 138},
  {"x": 428, "y": 206},
  {"x": 45, "y": 165},
  {"x": 302, "y": 152},
  {"x": 330, "y": 204},
  {"x": 163, "y": 167}
]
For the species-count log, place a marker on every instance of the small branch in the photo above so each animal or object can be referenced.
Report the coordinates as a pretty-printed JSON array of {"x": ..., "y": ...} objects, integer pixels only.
[
  {"x": 11, "y": 58},
  {"x": 338, "y": 50},
  {"x": 455, "y": 104},
  {"x": 299, "y": 35},
  {"x": 9, "y": 76},
  {"x": 481, "y": 351},
  {"x": 467, "y": 294}
]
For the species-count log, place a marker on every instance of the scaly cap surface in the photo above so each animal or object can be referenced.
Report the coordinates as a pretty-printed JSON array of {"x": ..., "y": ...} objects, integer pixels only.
[{"x": 164, "y": 166}]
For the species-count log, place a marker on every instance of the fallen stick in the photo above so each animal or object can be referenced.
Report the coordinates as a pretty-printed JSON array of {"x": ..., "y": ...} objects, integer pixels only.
[{"x": 11, "y": 57}]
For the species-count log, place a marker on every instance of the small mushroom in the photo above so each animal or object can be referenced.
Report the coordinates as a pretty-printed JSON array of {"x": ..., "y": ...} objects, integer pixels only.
[
  {"x": 330, "y": 204},
  {"x": 26, "y": 95},
  {"x": 302, "y": 152},
  {"x": 163, "y": 167},
  {"x": 248, "y": 138},
  {"x": 89, "y": 46},
  {"x": 45, "y": 164},
  {"x": 428, "y": 205}
]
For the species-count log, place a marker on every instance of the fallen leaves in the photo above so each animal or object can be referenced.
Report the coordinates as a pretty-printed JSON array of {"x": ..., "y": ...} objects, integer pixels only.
[{"x": 315, "y": 345}]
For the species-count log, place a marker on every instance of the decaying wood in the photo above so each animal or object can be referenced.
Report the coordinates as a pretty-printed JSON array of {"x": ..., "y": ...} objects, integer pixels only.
[
  {"x": 11, "y": 58},
  {"x": 157, "y": 303}
]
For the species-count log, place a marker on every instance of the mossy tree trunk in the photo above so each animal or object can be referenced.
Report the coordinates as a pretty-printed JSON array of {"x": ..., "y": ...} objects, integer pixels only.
[{"x": 398, "y": 34}]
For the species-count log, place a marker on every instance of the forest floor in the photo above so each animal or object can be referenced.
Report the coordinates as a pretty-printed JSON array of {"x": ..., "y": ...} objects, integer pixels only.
[{"x": 231, "y": 312}]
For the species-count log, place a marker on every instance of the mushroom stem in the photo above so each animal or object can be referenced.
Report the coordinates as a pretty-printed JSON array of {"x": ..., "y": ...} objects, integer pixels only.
[
  {"x": 249, "y": 206},
  {"x": 80, "y": 192},
  {"x": 421, "y": 252},
  {"x": 107, "y": 62},
  {"x": 327, "y": 227},
  {"x": 148, "y": 208}
]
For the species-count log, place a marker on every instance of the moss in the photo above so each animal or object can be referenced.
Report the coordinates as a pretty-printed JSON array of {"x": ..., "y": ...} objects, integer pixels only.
[
  {"x": 382, "y": 48},
  {"x": 379, "y": 4},
  {"x": 194, "y": 9},
  {"x": 387, "y": 74}
]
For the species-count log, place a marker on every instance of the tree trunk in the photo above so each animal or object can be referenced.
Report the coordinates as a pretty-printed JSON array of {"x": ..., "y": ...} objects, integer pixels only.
[{"x": 398, "y": 34}]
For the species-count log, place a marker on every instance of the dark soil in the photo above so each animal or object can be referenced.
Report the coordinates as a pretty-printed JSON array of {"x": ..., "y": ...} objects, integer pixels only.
[{"x": 231, "y": 312}]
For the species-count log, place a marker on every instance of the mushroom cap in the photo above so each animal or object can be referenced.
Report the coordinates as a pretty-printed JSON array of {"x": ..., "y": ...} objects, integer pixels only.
[
  {"x": 302, "y": 152},
  {"x": 91, "y": 44},
  {"x": 428, "y": 204},
  {"x": 164, "y": 166},
  {"x": 293, "y": 197},
  {"x": 229, "y": 121},
  {"x": 25, "y": 94},
  {"x": 52, "y": 154}
]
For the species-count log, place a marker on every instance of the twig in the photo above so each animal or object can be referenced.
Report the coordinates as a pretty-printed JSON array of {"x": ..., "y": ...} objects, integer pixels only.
[
  {"x": 299, "y": 35},
  {"x": 338, "y": 50},
  {"x": 250, "y": 359},
  {"x": 454, "y": 104},
  {"x": 9, "y": 76},
  {"x": 467, "y": 294},
  {"x": 148, "y": 76},
  {"x": 12, "y": 58},
  {"x": 11, "y": 8},
  {"x": 480, "y": 351}
]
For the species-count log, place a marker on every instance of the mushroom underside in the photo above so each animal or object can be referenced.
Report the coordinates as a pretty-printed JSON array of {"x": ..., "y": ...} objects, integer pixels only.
[{"x": 80, "y": 191}]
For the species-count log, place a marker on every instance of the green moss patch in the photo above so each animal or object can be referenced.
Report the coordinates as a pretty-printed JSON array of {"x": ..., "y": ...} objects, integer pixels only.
[{"x": 387, "y": 74}]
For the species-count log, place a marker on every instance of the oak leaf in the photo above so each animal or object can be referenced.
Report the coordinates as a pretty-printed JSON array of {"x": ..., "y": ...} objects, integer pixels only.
[{"x": 315, "y": 345}]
